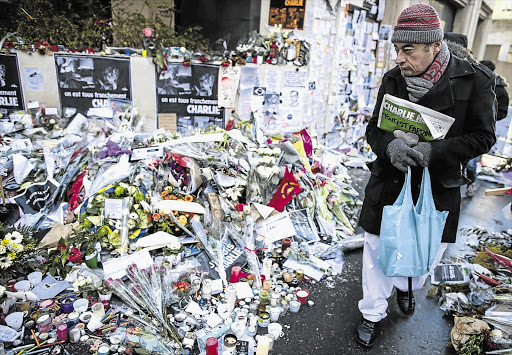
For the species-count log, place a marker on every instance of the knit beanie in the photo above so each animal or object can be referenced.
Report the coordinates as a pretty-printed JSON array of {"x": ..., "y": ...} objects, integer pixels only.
[{"x": 418, "y": 23}]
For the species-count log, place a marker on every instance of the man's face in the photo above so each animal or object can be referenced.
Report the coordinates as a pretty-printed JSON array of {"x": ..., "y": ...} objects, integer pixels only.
[{"x": 413, "y": 58}]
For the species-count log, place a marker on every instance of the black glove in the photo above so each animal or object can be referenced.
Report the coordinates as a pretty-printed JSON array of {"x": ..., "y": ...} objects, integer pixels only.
[
  {"x": 425, "y": 149},
  {"x": 402, "y": 155}
]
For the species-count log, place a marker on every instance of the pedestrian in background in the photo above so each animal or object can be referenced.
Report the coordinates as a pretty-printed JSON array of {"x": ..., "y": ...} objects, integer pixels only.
[{"x": 428, "y": 75}]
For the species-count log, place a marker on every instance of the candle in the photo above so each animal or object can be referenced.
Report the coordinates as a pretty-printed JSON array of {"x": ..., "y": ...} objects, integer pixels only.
[
  {"x": 263, "y": 346},
  {"x": 274, "y": 313},
  {"x": 264, "y": 297},
  {"x": 230, "y": 297},
  {"x": 302, "y": 296},
  {"x": 299, "y": 273},
  {"x": 286, "y": 243},
  {"x": 212, "y": 346},
  {"x": 294, "y": 306},
  {"x": 235, "y": 274},
  {"x": 62, "y": 331}
]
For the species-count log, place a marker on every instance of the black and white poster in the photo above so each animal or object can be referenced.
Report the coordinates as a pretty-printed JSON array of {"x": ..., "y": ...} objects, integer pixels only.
[
  {"x": 191, "y": 93},
  {"x": 89, "y": 82},
  {"x": 35, "y": 197},
  {"x": 303, "y": 225},
  {"x": 11, "y": 95}
]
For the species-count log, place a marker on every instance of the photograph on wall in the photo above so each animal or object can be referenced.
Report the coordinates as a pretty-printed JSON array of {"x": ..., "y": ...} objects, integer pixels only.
[
  {"x": 90, "y": 82},
  {"x": 190, "y": 93},
  {"x": 11, "y": 94},
  {"x": 33, "y": 78},
  {"x": 289, "y": 13},
  {"x": 229, "y": 77}
]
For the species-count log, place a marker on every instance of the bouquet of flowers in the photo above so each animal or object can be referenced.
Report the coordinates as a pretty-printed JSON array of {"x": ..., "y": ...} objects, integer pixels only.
[
  {"x": 18, "y": 252},
  {"x": 93, "y": 215}
]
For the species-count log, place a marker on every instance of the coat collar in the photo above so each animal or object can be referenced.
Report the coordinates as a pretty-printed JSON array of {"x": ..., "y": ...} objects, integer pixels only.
[{"x": 440, "y": 97}]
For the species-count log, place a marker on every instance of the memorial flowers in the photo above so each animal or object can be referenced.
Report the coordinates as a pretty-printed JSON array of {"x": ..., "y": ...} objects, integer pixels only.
[{"x": 18, "y": 251}]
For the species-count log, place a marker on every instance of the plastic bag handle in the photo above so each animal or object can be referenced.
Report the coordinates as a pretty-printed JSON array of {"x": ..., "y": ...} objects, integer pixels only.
[
  {"x": 425, "y": 200},
  {"x": 405, "y": 197}
]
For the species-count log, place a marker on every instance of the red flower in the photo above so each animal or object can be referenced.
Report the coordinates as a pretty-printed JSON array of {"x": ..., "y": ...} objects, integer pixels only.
[
  {"x": 75, "y": 256},
  {"x": 61, "y": 246},
  {"x": 239, "y": 207}
]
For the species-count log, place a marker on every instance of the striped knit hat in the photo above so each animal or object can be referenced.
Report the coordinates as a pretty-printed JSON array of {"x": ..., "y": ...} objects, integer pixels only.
[{"x": 418, "y": 23}]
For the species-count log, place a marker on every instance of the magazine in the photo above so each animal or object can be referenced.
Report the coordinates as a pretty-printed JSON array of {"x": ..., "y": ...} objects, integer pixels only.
[{"x": 399, "y": 114}]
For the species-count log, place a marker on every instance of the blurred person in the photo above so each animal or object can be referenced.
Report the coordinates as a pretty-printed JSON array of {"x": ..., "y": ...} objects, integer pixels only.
[{"x": 429, "y": 75}]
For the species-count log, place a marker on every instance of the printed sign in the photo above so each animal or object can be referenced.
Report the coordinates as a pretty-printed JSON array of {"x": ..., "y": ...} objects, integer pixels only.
[
  {"x": 303, "y": 225},
  {"x": 35, "y": 197},
  {"x": 234, "y": 255},
  {"x": 11, "y": 95},
  {"x": 289, "y": 13},
  {"x": 89, "y": 82},
  {"x": 191, "y": 93}
]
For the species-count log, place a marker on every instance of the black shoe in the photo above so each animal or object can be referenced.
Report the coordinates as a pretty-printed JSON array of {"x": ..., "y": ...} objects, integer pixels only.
[
  {"x": 366, "y": 332},
  {"x": 402, "y": 298}
]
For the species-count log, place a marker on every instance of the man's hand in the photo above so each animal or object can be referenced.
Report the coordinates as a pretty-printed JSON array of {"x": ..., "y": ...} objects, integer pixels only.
[
  {"x": 425, "y": 149},
  {"x": 401, "y": 155}
]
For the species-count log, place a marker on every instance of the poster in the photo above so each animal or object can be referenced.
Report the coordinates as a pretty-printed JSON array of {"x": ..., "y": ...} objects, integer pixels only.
[
  {"x": 34, "y": 198},
  {"x": 191, "y": 93},
  {"x": 229, "y": 78},
  {"x": 33, "y": 78},
  {"x": 11, "y": 95},
  {"x": 289, "y": 13},
  {"x": 304, "y": 227},
  {"x": 89, "y": 82}
]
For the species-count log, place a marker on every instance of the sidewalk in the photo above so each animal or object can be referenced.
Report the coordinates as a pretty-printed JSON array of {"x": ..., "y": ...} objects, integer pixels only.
[{"x": 328, "y": 326}]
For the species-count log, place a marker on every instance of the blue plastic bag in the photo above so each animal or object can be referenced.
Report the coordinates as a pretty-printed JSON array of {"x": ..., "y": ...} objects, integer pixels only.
[{"x": 410, "y": 235}]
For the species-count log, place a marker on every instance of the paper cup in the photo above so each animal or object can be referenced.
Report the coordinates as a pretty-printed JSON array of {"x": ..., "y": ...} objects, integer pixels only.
[
  {"x": 23, "y": 285},
  {"x": 94, "y": 323},
  {"x": 275, "y": 329},
  {"x": 98, "y": 309},
  {"x": 35, "y": 277},
  {"x": 81, "y": 305},
  {"x": 302, "y": 295}
]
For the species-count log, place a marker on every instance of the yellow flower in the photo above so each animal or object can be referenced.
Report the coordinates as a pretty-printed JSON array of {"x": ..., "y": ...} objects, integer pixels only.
[
  {"x": 4, "y": 242},
  {"x": 183, "y": 220},
  {"x": 12, "y": 255}
]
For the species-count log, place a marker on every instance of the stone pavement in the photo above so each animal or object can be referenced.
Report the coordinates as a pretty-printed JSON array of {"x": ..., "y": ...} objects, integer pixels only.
[{"x": 328, "y": 326}]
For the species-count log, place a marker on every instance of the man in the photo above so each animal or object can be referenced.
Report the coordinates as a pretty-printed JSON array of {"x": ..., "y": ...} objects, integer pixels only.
[
  {"x": 428, "y": 75},
  {"x": 501, "y": 92}
]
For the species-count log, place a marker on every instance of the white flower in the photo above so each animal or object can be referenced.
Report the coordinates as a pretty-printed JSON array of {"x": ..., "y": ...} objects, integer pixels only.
[
  {"x": 3, "y": 249},
  {"x": 234, "y": 193},
  {"x": 268, "y": 151},
  {"x": 8, "y": 236},
  {"x": 16, "y": 237},
  {"x": 276, "y": 151},
  {"x": 132, "y": 224},
  {"x": 118, "y": 224},
  {"x": 268, "y": 160},
  {"x": 260, "y": 151},
  {"x": 134, "y": 215},
  {"x": 5, "y": 262},
  {"x": 11, "y": 246},
  {"x": 277, "y": 170},
  {"x": 264, "y": 171},
  {"x": 19, "y": 248},
  {"x": 175, "y": 245},
  {"x": 247, "y": 209}
]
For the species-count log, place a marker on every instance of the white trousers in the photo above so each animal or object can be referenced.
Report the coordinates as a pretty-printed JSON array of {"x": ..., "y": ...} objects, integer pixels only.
[{"x": 377, "y": 287}]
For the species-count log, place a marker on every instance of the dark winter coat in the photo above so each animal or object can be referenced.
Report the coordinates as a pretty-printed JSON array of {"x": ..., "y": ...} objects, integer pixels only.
[
  {"x": 502, "y": 97},
  {"x": 465, "y": 92}
]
